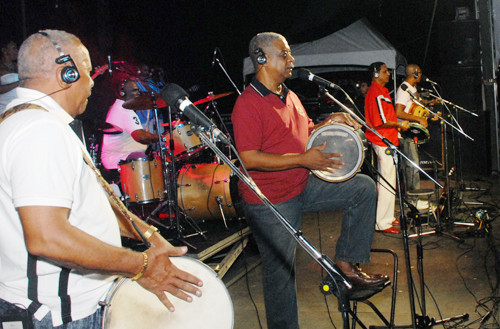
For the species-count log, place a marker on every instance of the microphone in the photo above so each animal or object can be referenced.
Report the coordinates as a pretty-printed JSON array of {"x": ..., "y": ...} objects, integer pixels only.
[
  {"x": 307, "y": 75},
  {"x": 405, "y": 88},
  {"x": 110, "y": 67},
  {"x": 177, "y": 97},
  {"x": 426, "y": 79},
  {"x": 214, "y": 58}
]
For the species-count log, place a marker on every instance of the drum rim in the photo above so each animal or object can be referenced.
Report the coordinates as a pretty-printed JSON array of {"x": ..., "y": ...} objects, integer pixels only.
[
  {"x": 122, "y": 162},
  {"x": 326, "y": 176},
  {"x": 420, "y": 126}
]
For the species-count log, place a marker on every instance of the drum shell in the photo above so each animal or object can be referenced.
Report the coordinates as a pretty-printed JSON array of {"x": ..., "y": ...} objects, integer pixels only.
[
  {"x": 201, "y": 185},
  {"x": 340, "y": 138},
  {"x": 129, "y": 306},
  {"x": 186, "y": 143},
  {"x": 142, "y": 180},
  {"x": 418, "y": 131}
]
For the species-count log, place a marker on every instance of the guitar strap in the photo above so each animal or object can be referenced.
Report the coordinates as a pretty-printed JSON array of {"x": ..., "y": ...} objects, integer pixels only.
[{"x": 114, "y": 200}]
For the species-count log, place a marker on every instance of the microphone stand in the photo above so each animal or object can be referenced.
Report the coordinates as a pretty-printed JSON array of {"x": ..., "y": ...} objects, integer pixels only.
[
  {"x": 227, "y": 75},
  {"x": 423, "y": 321},
  {"x": 338, "y": 277}
]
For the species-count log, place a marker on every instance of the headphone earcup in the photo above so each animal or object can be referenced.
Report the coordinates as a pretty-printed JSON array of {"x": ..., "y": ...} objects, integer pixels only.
[
  {"x": 375, "y": 74},
  {"x": 70, "y": 74},
  {"x": 261, "y": 59},
  {"x": 122, "y": 93},
  {"x": 415, "y": 75}
]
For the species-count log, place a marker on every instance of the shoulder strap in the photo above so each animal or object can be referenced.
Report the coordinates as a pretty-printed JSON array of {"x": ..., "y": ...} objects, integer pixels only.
[{"x": 19, "y": 108}]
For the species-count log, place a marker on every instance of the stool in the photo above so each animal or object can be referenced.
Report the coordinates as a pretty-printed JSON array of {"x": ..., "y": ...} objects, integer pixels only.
[
  {"x": 421, "y": 199},
  {"x": 363, "y": 294}
]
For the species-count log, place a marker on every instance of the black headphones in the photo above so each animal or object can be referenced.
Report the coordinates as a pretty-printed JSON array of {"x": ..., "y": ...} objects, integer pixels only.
[
  {"x": 415, "y": 75},
  {"x": 69, "y": 74},
  {"x": 261, "y": 56},
  {"x": 122, "y": 86}
]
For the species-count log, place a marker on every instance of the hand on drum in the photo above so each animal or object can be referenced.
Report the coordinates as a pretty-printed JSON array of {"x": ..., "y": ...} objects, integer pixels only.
[
  {"x": 405, "y": 125},
  {"x": 423, "y": 122},
  {"x": 314, "y": 159},
  {"x": 342, "y": 118},
  {"x": 162, "y": 276}
]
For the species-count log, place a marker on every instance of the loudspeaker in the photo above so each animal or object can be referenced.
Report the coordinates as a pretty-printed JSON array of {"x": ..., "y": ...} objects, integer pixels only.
[
  {"x": 69, "y": 74},
  {"x": 458, "y": 42}
]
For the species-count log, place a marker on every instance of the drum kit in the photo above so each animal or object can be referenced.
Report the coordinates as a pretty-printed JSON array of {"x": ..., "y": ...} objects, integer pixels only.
[{"x": 179, "y": 180}]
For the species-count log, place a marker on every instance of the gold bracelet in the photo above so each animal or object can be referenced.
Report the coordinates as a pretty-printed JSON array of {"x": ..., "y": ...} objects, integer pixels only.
[
  {"x": 151, "y": 230},
  {"x": 144, "y": 267}
]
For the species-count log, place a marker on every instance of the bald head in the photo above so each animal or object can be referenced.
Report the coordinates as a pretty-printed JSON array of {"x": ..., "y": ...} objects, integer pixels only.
[{"x": 412, "y": 70}]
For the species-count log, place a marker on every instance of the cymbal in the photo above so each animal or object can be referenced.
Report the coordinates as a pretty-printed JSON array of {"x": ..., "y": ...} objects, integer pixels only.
[
  {"x": 210, "y": 98},
  {"x": 144, "y": 102}
]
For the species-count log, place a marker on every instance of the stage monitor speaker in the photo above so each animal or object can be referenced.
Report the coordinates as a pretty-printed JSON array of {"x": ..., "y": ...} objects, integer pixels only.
[
  {"x": 461, "y": 85},
  {"x": 458, "y": 42}
]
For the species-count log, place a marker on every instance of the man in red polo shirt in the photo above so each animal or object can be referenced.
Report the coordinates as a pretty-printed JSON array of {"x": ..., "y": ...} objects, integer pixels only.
[
  {"x": 380, "y": 114},
  {"x": 271, "y": 131}
]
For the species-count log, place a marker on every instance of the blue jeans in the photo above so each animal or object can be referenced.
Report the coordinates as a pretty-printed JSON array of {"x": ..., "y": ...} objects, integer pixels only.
[
  {"x": 91, "y": 322},
  {"x": 356, "y": 197},
  {"x": 410, "y": 173}
]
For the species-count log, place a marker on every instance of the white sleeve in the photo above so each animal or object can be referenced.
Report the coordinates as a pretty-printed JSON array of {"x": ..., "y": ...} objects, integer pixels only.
[
  {"x": 402, "y": 97},
  {"x": 124, "y": 119}
]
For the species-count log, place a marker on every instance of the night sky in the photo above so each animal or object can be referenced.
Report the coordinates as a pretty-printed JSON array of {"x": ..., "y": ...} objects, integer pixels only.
[{"x": 180, "y": 35}]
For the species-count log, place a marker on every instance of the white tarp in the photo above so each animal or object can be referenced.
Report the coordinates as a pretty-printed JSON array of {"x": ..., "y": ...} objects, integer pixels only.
[{"x": 358, "y": 44}]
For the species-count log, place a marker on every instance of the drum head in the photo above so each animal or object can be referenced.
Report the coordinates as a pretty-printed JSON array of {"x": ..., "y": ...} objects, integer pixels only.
[
  {"x": 132, "y": 307},
  {"x": 417, "y": 131},
  {"x": 343, "y": 139}
]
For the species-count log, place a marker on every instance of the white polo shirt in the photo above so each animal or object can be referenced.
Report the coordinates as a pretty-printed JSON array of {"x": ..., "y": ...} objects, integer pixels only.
[
  {"x": 117, "y": 147},
  {"x": 41, "y": 163}
]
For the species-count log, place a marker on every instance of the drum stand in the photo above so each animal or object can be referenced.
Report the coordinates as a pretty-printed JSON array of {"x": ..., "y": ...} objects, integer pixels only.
[{"x": 170, "y": 181}]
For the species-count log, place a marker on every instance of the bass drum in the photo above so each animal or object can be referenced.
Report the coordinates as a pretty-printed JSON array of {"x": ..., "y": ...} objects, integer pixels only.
[
  {"x": 130, "y": 306},
  {"x": 206, "y": 190},
  {"x": 340, "y": 138}
]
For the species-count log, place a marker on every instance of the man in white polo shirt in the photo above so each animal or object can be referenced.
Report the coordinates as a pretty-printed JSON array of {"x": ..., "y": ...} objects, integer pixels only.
[{"x": 60, "y": 244}]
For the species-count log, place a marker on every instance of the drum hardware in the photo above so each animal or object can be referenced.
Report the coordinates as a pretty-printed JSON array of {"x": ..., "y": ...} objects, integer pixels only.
[
  {"x": 340, "y": 138},
  {"x": 127, "y": 305}
]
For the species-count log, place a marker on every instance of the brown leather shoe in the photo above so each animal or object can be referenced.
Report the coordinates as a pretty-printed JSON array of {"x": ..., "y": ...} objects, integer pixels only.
[{"x": 359, "y": 278}]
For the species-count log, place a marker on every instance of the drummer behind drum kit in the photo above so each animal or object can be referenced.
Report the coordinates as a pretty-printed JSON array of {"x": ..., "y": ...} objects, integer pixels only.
[{"x": 198, "y": 191}]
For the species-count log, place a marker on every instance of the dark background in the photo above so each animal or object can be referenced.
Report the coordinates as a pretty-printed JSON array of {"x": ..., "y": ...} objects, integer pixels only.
[{"x": 180, "y": 36}]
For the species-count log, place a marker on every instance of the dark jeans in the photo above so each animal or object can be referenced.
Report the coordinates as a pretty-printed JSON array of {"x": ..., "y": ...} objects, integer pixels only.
[
  {"x": 91, "y": 322},
  {"x": 356, "y": 197}
]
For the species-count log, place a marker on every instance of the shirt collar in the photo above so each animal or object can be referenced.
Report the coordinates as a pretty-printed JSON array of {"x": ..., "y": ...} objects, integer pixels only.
[
  {"x": 26, "y": 95},
  {"x": 263, "y": 91}
]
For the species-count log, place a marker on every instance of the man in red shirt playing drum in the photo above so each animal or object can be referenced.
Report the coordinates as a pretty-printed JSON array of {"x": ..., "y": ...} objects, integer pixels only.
[{"x": 271, "y": 132}]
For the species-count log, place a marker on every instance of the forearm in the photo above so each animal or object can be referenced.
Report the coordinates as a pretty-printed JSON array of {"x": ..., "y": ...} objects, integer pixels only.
[
  {"x": 258, "y": 160},
  {"x": 49, "y": 235}
]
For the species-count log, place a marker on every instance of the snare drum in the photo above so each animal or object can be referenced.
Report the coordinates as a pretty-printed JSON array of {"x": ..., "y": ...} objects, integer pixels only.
[
  {"x": 206, "y": 189},
  {"x": 130, "y": 306},
  {"x": 344, "y": 139},
  {"x": 416, "y": 131},
  {"x": 142, "y": 180},
  {"x": 186, "y": 143}
]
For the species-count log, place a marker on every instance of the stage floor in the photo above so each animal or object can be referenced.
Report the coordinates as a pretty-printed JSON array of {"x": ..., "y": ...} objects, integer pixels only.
[{"x": 459, "y": 276}]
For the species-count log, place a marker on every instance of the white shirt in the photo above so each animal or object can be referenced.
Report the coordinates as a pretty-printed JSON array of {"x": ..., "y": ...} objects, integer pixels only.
[
  {"x": 41, "y": 163},
  {"x": 7, "y": 97},
  {"x": 403, "y": 97},
  {"x": 118, "y": 147}
]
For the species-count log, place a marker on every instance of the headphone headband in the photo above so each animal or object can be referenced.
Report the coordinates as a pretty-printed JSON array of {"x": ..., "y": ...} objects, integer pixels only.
[{"x": 69, "y": 74}]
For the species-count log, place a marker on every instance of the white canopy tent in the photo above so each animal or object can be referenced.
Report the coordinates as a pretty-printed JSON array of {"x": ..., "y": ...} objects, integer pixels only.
[{"x": 354, "y": 47}]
